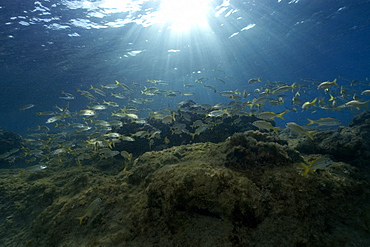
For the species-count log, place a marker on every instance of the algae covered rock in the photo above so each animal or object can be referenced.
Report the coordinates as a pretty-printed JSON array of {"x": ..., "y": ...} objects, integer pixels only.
[
  {"x": 10, "y": 143},
  {"x": 205, "y": 195},
  {"x": 254, "y": 150},
  {"x": 349, "y": 144},
  {"x": 159, "y": 134},
  {"x": 9, "y": 140},
  {"x": 245, "y": 191},
  {"x": 188, "y": 199}
]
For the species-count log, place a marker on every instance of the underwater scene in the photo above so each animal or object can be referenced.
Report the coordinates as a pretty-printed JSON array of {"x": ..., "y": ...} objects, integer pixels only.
[{"x": 184, "y": 123}]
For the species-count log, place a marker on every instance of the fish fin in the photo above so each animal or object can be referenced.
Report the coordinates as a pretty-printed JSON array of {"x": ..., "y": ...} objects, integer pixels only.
[
  {"x": 314, "y": 102},
  {"x": 309, "y": 134},
  {"x": 306, "y": 169},
  {"x": 80, "y": 218},
  {"x": 335, "y": 82},
  {"x": 281, "y": 115},
  {"x": 310, "y": 121},
  {"x": 192, "y": 135}
]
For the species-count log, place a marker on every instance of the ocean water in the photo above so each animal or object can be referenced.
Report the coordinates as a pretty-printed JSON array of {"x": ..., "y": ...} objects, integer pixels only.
[
  {"x": 50, "y": 47},
  {"x": 92, "y": 86}
]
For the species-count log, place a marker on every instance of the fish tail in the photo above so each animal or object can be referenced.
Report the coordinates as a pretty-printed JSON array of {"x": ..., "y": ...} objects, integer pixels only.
[
  {"x": 276, "y": 129},
  {"x": 310, "y": 121},
  {"x": 281, "y": 115},
  {"x": 309, "y": 134},
  {"x": 192, "y": 135},
  {"x": 366, "y": 103},
  {"x": 314, "y": 102},
  {"x": 80, "y": 219},
  {"x": 335, "y": 82},
  {"x": 306, "y": 169},
  {"x": 173, "y": 115},
  {"x": 331, "y": 97}
]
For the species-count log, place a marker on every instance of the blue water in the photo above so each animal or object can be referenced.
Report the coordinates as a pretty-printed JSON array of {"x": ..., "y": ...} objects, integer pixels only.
[{"x": 52, "y": 46}]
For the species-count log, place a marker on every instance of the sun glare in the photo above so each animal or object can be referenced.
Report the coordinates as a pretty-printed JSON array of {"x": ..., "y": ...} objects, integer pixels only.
[{"x": 183, "y": 14}]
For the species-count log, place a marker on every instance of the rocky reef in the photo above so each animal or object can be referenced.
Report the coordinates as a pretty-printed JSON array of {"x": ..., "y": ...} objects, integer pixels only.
[
  {"x": 348, "y": 144},
  {"x": 244, "y": 191},
  {"x": 10, "y": 143},
  {"x": 179, "y": 132}
]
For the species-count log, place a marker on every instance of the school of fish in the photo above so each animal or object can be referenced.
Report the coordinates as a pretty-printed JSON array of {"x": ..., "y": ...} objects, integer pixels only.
[{"x": 75, "y": 136}]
